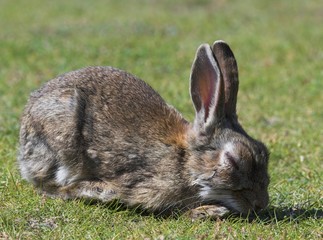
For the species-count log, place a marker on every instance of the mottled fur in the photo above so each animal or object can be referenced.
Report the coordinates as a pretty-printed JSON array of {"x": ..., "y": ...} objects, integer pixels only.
[{"x": 101, "y": 133}]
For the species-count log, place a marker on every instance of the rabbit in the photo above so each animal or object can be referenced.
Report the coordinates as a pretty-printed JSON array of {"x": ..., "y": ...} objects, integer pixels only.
[{"x": 102, "y": 134}]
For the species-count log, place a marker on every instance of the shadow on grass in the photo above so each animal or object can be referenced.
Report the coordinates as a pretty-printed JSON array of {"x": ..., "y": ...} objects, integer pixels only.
[
  {"x": 270, "y": 215},
  {"x": 294, "y": 214}
]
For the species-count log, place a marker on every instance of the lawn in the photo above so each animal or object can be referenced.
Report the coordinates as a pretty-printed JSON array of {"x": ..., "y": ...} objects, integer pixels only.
[{"x": 279, "y": 49}]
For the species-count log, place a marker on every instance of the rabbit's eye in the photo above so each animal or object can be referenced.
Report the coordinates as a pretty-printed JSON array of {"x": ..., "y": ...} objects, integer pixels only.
[{"x": 232, "y": 160}]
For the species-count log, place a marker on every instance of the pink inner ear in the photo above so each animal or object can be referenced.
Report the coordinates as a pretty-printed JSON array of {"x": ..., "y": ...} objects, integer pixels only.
[{"x": 207, "y": 93}]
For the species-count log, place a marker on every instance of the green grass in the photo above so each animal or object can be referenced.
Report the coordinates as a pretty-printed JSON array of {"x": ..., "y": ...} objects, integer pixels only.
[{"x": 279, "y": 49}]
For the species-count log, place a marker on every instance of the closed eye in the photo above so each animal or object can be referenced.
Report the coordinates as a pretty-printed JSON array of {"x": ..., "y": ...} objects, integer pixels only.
[{"x": 232, "y": 160}]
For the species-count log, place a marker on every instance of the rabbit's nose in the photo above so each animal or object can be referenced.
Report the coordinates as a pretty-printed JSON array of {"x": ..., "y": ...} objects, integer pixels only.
[
  {"x": 258, "y": 205},
  {"x": 261, "y": 202}
]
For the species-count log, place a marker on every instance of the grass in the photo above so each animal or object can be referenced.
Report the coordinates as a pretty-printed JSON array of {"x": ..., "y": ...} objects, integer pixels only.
[{"x": 278, "y": 45}]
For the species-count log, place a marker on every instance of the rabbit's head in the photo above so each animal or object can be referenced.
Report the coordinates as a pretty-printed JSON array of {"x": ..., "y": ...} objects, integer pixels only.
[{"x": 227, "y": 165}]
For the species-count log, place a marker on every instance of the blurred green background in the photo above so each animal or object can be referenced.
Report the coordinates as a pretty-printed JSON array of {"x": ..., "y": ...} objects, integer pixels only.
[{"x": 279, "y": 49}]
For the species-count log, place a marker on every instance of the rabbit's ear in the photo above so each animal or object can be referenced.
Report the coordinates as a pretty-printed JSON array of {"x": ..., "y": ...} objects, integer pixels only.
[
  {"x": 207, "y": 90},
  {"x": 229, "y": 70}
]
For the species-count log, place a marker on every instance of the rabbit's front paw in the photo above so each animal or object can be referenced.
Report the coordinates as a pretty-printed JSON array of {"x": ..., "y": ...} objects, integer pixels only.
[{"x": 209, "y": 211}]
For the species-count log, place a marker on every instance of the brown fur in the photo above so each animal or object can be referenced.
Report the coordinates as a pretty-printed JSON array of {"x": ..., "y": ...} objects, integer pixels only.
[{"x": 101, "y": 133}]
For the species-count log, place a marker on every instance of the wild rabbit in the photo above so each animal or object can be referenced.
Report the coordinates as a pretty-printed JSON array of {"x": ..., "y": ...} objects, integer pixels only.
[{"x": 103, "y": 134}]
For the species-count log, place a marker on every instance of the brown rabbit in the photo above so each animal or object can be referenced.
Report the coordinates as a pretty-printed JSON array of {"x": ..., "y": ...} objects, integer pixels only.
[{"x": 100, "y": 133}]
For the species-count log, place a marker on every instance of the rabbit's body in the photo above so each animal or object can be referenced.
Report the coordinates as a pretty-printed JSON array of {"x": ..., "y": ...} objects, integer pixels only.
[
  {"x": 90, "y": 125},
  {"x": 101, "y": 133}
]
